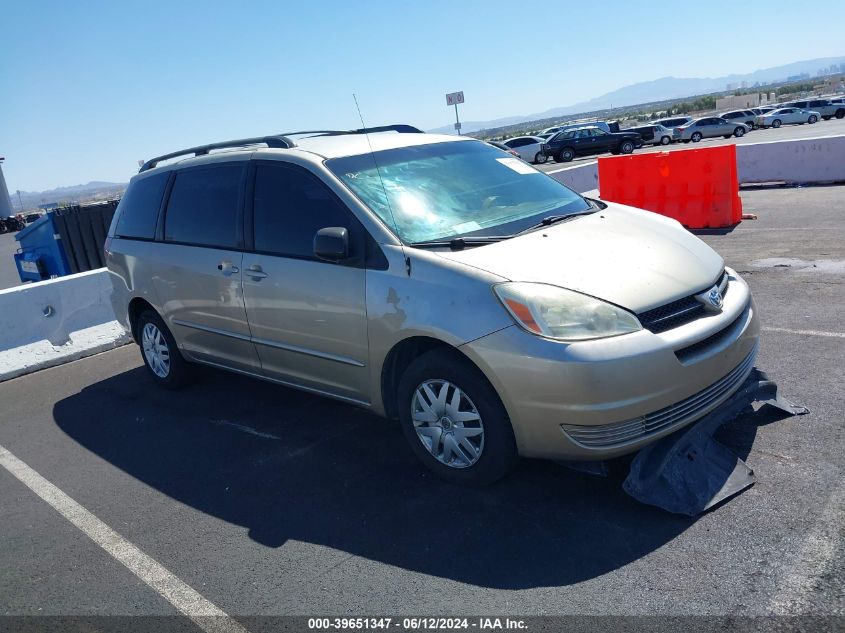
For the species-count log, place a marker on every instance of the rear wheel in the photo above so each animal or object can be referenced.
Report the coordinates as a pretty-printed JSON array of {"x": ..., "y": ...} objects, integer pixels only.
[
  {"x": 696, "y": 137},
  {"x": 665, "y": 140},
  {"x": 776, "y": 123},
  {"x": 159, "y": 351},
  {"x": 840, "y": 113},
  {"x": 454, "y": 420},
  {"x": 540, "y": 158},
  {"x": 565, "y": 155},
  {"x": 626, "y": 147},
  {"x": 813, "y": 118},
  {"x": 738, "y": 132}
]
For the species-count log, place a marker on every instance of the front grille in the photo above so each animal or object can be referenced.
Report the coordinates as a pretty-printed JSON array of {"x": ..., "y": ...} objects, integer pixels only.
[
  {"x": 612, "y": 435},
  {"x": 685, "y": 353},
  {"x": 678, "y": 312}
]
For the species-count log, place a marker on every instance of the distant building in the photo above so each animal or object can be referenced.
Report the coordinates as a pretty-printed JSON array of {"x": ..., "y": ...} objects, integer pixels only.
[
  {"x": 5, "y": 201},
  {"x": 738, "y": 102},
  {"x": 744, "y": 84},
  {"x": 732, "y": 86}
]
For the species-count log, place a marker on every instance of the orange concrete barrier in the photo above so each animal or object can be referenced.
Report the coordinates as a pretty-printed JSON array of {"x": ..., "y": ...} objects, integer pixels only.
[{"x": 697, "y": 187}]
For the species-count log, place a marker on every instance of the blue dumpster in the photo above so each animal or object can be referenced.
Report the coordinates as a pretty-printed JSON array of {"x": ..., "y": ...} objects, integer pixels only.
[
  {"x": 40, "y": 255},
  {"x": 64, "y": 241}
]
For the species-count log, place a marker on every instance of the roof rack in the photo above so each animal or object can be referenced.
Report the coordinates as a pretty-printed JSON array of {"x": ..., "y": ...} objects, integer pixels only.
[
  {"x": 279, "y": 140},
  {"x": 400, "y": 127},
  {"x": 276, "y": 141}
]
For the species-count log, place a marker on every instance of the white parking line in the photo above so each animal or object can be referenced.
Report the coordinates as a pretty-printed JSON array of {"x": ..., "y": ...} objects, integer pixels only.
[
  {"x": 204, "y": 614},
  {"x": 805, "y": 332}
]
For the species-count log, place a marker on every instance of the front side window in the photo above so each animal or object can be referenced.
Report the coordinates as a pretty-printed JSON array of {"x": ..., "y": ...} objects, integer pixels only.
[
  {"x": 289, "y": 207},
  {"x": 441, "y": 191},
  {"x": 598, "y": 132},
  {"x": 203, "y": 207}
]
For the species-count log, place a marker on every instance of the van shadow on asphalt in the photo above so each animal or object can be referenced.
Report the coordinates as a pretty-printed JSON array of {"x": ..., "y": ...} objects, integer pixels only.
[{"x": 288, "y": 465}]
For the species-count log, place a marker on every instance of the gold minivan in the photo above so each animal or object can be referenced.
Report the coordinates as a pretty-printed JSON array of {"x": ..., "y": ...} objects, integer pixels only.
[{"x": 435, "y": 280}]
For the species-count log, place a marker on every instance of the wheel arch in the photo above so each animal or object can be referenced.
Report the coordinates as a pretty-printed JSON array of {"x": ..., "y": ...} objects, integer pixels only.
[
  {"x": 400, "y": 357},
  {"x": 136, "y": 307}
]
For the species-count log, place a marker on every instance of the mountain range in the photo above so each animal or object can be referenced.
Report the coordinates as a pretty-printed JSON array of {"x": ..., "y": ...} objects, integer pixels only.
[{"x": 658, "y": 90}]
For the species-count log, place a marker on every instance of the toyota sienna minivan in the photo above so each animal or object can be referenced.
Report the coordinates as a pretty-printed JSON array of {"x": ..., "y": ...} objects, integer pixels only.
[{"x": 435, "y": 280}]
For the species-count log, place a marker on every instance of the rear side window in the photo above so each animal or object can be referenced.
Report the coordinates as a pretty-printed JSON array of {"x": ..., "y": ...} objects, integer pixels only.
[
  {"x": 138, "y": 209},
  {"x": 203, "y": 207},
  {"x": 289, "y": 207}
]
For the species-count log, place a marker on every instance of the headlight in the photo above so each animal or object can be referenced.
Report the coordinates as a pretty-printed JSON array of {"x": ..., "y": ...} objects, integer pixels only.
[{"x": 563, "y": 314}]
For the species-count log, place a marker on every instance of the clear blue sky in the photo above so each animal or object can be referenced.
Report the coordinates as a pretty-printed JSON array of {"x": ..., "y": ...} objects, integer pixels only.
[{"x": 90, "y": 87}]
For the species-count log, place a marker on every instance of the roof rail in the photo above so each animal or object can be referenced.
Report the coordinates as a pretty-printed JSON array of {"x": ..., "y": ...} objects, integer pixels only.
[
  {"x": 280, "y": 141},
  {"x": 277, "y": 141}
]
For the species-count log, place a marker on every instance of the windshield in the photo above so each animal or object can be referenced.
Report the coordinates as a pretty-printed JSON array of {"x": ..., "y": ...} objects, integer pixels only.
[{"x": 445, "y": 190}]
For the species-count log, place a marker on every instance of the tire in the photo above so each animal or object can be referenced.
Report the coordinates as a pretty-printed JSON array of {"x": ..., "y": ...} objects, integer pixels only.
[
  {"x": 159, "y": 351},
  {"x": 494, "y": 448},
  {"x": 540, "y": 158},
  {"x": 776, "y": 123},
  {"x": 840, "y": 113},
  {"x": 751, "y": 125},
  {"x": 696, "y": 137},
  {"x": 813, "y": 119},
  {"x": 665, "y": 140},
  {"x": 826, "y": 117},
  {"x": 739, "y": 132},
  {"x": 565, "y": 155},
  {"x": 626, "y": 147},
  {"x": 727, "y": 136}
]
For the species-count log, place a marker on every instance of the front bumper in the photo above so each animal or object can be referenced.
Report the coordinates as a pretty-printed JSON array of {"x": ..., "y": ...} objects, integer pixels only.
[{"x": 601, "y": 399}]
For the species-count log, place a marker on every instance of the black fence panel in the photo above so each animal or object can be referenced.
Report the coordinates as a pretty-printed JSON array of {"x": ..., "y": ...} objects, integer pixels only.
[{"x": 83, "y": 232}]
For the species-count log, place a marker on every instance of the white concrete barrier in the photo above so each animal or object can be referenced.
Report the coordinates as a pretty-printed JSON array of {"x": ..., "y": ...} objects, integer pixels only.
[
  {"x": 52, "y": 322},
  {"x": 809, "y": 160},
  {"x": 579, "y": 178}
]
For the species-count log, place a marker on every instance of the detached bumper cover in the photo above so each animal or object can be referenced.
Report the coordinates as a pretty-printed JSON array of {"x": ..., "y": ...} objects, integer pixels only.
[{"x": 689, "y": 472}]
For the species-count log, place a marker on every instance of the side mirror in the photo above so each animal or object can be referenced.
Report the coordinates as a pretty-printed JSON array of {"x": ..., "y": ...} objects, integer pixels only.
[{"x": 332, "y": 243}]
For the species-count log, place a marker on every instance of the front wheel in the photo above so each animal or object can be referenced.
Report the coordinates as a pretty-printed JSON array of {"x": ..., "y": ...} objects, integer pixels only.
[
  {"x": 540, "y": 158},
  {"x": 454, "y": 420},
  {"x": 626, "y": 147},
  {"x": 159, "y": 351},
  {"x": 813, "y": 118},
  {"x": 840, "y": 113},
  {"x": 739, "y": 132},
  {"x": 696, "y": 137},
  {"x": 776, "y": 123},
  {"x": 665, "y": 140}
]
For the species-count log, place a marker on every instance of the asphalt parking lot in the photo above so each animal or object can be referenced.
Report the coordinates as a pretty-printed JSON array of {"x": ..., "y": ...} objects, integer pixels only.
[
  {"x": 267, "y": 501},
  {"x": 785, "y": 133}
]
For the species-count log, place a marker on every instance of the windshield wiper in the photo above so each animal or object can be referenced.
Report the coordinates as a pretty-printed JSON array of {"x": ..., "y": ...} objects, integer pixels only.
[
  {"x": 553, "y": 219},
  {"x": 460, "y": 243}
]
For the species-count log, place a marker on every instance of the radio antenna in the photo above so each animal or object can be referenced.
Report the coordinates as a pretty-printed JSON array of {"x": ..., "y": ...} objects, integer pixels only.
[{"x": 383, "y": 188}]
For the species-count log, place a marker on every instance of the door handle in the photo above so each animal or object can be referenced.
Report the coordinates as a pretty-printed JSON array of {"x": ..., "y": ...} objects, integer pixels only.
[
  {"x": 227, "y": 268},
  {"x": 255, "y": 273}
]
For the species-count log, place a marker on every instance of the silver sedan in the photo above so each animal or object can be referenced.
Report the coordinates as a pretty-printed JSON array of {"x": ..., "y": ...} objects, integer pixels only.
[
  {"x": 709, "y": 127},
  {"x": 782, "y": 116}
]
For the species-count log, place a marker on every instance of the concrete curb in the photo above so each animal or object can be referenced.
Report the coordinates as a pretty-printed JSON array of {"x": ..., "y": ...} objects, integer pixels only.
[{"x": 56, "y": 321}]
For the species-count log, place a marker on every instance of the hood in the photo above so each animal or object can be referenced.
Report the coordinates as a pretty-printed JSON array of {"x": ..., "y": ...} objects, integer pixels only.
[{"x": 636, "y": 259}]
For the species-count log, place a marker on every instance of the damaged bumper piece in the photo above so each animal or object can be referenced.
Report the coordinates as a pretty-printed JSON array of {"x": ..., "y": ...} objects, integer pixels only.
[{"x": 689, "y": 472}]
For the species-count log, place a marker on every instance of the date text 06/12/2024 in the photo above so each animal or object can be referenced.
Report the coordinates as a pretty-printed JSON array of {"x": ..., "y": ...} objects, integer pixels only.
[{"x": 416, "y": 624}]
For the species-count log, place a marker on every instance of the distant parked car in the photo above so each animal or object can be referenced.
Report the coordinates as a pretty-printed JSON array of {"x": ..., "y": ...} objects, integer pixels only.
[
  {"x": 673, "y": 122},
  {"x": 709, "y": 127},
  {"x": 783, "y": 116},
  {"x": 529, "y": 148},
  {"x": 503, "y": 147},
  {"x": 740, "y": 116},
  {"x": 761, "y": 110},
  {"x": 564, "y": 146},
  {"x": 654, "y": 134},
  {"x": 826, "y": 108}
]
